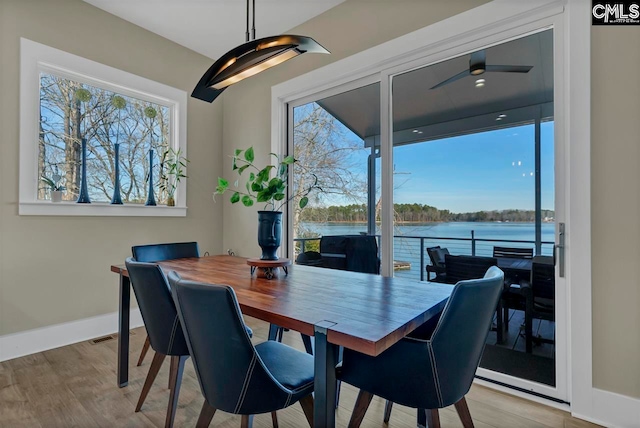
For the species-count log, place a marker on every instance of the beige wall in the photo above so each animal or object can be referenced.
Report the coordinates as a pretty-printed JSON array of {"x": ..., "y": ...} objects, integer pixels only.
[
  {"x": 615, "y": 201},
  {"x": 56, "y": 269},
  {"x": 348, "y": 28}
]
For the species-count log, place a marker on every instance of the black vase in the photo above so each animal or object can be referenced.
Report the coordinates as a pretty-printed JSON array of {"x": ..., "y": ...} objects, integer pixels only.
[
  {"x": 117, "y": 199},
  {"x": 269, "y": 233},
  {"x": 151, "y": 199},
  {"x": 83, "y": 197}
]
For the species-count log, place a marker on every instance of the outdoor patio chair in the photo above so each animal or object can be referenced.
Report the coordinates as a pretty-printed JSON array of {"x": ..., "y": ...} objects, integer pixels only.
[{"x": 436, "y": 255}]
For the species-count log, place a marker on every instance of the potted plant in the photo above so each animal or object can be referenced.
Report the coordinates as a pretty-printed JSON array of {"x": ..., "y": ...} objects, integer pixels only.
[
  {"x": 172, "y": 170},
  {"x": 266, "y": 184},
  {"x": 55, "y": 185}
]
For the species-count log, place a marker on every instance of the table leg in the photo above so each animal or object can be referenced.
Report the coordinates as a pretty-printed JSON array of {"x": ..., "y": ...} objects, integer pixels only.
[
  {"x": 123, "y": 331},
  {"x": 325, "y": 359}
]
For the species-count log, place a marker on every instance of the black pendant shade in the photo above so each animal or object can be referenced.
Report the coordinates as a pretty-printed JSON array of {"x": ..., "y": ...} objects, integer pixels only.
[{"x": 249, "y": 59}]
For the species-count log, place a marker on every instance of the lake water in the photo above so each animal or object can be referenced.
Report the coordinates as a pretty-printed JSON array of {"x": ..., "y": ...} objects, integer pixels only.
[{"x": 407, "y": 242}]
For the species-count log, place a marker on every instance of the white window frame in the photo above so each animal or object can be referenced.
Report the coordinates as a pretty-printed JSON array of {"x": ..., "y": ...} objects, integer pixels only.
[{"x": 36, "y": 58}]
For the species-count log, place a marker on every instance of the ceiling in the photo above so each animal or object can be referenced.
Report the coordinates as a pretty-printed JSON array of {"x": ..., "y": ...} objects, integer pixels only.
[
  {"x": 418, "y": 108},
  {"x": 213, "y": 27}
]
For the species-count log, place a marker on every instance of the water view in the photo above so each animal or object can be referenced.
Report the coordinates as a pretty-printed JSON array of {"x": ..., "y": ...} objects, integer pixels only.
[{"x": 408, "y": 238}]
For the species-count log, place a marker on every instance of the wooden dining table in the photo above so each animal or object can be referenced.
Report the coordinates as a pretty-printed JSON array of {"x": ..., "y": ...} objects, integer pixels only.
[{"x": 364, "y": 312}]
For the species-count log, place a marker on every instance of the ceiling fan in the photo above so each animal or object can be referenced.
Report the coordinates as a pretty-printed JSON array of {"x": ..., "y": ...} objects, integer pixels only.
[{"x": 478, "y": 65}]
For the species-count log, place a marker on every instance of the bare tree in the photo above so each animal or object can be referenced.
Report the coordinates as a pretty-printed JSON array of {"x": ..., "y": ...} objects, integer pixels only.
[{"x": 325, "y": 152}]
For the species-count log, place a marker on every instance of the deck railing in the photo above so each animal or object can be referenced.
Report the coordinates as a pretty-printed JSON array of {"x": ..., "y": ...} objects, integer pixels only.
[{"x": 410, "y": 255}]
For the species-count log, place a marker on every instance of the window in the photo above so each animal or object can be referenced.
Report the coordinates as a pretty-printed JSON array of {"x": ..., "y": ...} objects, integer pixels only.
[{"x": 66, "y": 99}]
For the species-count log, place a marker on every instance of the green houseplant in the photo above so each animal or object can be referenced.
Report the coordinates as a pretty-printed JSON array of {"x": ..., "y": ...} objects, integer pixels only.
[
  {"x": 55, "y": 185},
  {"x": 268, "y": 185},
  {"x": 172, "y": 169}
]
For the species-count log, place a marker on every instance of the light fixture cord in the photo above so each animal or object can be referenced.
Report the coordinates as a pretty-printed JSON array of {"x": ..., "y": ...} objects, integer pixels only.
[
  {"x": 246, "y": 34},
  {"x": 253, "y": 28}
]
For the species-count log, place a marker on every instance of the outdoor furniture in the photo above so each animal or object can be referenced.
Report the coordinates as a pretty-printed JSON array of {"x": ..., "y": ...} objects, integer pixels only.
[
  {"x": 437, "y": 266},
  {"x": 516, "y": 264},
  {"x": 540, "y": 297},
  {"x": 234, "y": 375},
  {"x": 306, "y": 301},
  {"x": 355, "y": 253},
  {"x": 514, "y": 254},
  {"x": 432, "y": 372},
  {"x": 309, "y": 258},
  {"x": 157, "y": 252},
  {"x": 461, "y": 268},
  {"x": 163, "y": 329}
]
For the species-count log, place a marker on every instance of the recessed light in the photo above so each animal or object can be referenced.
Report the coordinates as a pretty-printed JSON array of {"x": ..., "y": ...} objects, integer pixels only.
[
  {"x": 502, "y": 115},
  {"x": 480, "y": 81},
  {"x": 498, "y": 118},
  {"x": 415, "y": 130}
]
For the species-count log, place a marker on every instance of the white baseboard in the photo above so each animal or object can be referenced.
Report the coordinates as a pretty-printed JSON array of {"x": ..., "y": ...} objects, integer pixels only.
[
  {"x": 54, "y": 336},
  {"x": 612, "y": 410},
  {"x": 521, "y": 394},
  {"x": 607, "y": 408}
]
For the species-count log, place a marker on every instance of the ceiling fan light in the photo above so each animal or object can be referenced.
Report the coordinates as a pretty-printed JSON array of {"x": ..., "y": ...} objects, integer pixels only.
[{"x": 476, "y": 69}]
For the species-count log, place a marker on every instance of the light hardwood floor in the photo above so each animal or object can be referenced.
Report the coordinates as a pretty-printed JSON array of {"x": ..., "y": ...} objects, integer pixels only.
[{"x": 75, "y": 386}]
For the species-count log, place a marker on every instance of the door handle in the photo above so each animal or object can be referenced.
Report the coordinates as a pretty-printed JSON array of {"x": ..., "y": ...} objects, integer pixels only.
[{"x": 561, "y": 249}]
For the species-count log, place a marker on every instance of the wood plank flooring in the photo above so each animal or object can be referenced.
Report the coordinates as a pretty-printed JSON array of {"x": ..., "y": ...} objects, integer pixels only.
[{"x": 75, "y": 386}]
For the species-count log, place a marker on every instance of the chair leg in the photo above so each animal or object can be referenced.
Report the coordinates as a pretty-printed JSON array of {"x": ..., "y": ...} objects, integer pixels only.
[
  {"x": 247, "y": 421},
  {"x": 175, "y": 380},
  {"x": 143, "y": 353},
  {"x": 428, "y": 418},
  {"x": 499, "y": 323},
  {"x": 505, "y": 316},
  {"x": 206, "y": 414},
  {"x": 172, "y": 368},
  {"x": 307, "y": 408},
  {"x": 307, "y": 343},
  {"x": 387, "y": 411},
  {"x": 463, "y": 413},
  {"x": 360, "y": 408},
  {"x": 274, "y": 419},
  {"x": 158, "y": 359},
  {"x": 433, "y": 418},
  {"x": 528, "y": 322}
]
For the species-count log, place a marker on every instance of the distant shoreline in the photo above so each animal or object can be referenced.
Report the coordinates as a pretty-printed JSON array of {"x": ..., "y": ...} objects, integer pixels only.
[{"x": 424, "y": 222}]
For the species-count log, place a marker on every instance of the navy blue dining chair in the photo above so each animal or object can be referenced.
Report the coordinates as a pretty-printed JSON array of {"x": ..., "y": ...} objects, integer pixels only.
[
  {"x": 163, "y": 329},
  {"x": 234, "y": 375},
  {"x": 153, "y": 253},
  {"x": 436, "y": 370}
]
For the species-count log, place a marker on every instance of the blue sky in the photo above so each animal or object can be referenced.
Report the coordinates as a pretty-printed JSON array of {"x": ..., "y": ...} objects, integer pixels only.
[
  {"x": 491, "y": 170},
  {"x": 484, "y": 171}
]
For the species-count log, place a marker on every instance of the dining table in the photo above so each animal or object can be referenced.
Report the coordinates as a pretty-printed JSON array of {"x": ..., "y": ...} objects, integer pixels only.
[{"x": 367, "y": 313}]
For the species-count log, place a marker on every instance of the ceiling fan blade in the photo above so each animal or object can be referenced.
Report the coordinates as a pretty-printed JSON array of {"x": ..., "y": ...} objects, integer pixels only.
[
  {"x": 509, "y": 68},
  {"x": 452, "y": 79}
]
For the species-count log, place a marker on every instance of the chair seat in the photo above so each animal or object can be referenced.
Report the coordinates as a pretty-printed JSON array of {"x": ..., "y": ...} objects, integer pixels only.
[{"x": 292, "y": 368}]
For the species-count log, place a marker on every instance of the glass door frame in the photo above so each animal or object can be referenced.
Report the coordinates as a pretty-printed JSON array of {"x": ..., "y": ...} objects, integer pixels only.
[
  {"x": 560, "y": 391},
  {"x": 464, "y": 33}
]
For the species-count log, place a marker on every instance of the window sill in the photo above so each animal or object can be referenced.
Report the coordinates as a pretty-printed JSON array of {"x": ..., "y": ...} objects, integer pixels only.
[{"x": 98, "y": 209}]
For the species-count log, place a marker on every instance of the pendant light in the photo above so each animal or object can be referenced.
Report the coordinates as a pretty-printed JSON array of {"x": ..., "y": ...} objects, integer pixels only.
[{"x": 251, "y": 58}]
